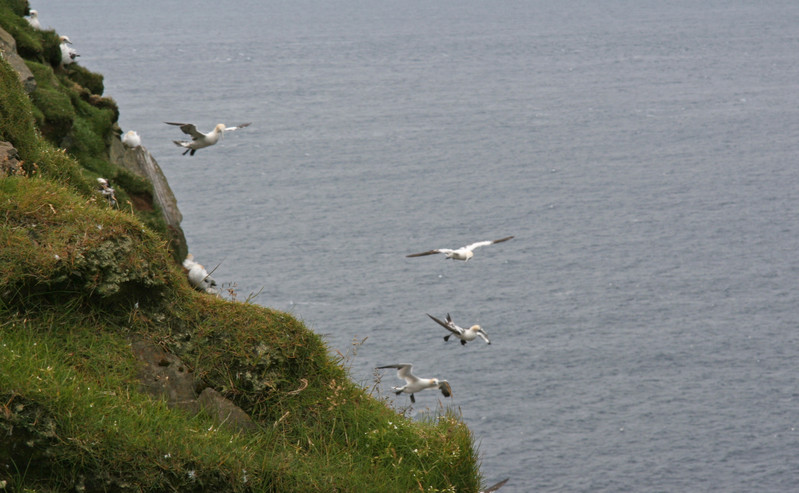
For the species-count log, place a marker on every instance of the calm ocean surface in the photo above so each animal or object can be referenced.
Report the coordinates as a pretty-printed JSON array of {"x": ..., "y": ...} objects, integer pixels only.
[{"x": 645, "y": 319}]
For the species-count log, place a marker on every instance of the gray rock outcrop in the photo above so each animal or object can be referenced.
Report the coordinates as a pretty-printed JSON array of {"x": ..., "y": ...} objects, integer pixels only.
[
  {"x": 139, "y": 161},
  {"x": 9, "y": 160},
  {"x": 8, "y": 50},
  {"x": 163, "y": 375}
]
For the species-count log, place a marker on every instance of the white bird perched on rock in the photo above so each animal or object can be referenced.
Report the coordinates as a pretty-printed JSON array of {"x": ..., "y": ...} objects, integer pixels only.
[
  {"x": 465, "y": 335},
  {"x": 462, "y": 253},
  {"x": 68, "y": 54},
  {"x": 33, "y": 20},
  {"x": 199, "y": 139},
  {"x": 415, "y": 384},
  {"x": 199, "y": 278},
  {"x": 131, "y": 139}
]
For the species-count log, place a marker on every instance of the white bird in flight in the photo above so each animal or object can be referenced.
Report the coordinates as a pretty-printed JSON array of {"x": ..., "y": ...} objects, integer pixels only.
[
  {"x": 68, "y": 55},
  {"x": 465, "y": 335},
  {"x": 33, "y": 20},
  {"x": 199, "y": 139},
  {"x": 462, "y": 253},
  {"x": 495, "y": 487},
  {"x": 415, "y": 384}
]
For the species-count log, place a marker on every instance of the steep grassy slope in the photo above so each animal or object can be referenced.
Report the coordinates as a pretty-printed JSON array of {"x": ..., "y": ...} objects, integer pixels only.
[{"x": 81, "y": 281}]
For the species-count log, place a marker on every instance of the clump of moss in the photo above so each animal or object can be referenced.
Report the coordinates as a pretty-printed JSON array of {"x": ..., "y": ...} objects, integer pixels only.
[{"x": 55, "y": 246}]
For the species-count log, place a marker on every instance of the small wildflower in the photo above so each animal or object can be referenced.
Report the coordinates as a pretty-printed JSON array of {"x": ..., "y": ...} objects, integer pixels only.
[{"x": 192, "y": 475}]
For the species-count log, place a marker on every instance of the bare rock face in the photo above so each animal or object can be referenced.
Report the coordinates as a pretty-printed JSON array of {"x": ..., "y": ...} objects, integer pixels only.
[
  {"x": 8, "y": 51},
  {"x": 164, "y": 375},
  {"x": 9, "y": 160},
  {"x": 139, "y": 161},
  {"x": 225, "y": 412}
]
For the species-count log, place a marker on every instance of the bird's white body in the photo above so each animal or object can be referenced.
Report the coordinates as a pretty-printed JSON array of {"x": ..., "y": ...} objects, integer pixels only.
[
  {"x": 415, "y": 384},
  {"x": 200, "y": 140},
  {"x": 463, "y": 253},
  {"x": 131, "y": 139},
  {"x": 465, "y": 335},
  {"x": 198, "y": 276},
  {"x": 33, "y": 20},
  {"x": 107, "y": 191},
  {"x": 68, "y": 54}
]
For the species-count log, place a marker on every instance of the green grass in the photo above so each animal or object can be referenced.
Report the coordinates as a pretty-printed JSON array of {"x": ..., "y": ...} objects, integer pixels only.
[{"x": 79, "y": 281}]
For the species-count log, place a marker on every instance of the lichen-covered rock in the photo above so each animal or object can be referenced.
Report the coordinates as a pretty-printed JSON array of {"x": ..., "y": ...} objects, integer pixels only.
[
  {"x": 111, "y": 266},
  {"x": 9, "y": 160}
]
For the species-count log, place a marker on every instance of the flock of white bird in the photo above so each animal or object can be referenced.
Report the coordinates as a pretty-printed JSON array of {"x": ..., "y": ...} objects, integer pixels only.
[
  {"x": 415, "y": 384},
  {"x": 201, "y": 279}
]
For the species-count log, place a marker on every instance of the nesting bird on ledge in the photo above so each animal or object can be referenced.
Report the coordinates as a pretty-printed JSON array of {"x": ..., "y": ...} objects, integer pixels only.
[
  {"x": 68, "y": 54},
  {"x": 33, "y": 20},
  {"x": 131, "y": 139},
  {"x": 199, "y": 139}
]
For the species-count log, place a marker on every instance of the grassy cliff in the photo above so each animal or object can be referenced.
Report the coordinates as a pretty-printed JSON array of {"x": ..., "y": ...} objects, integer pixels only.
[{"x": 82, "y": 283}]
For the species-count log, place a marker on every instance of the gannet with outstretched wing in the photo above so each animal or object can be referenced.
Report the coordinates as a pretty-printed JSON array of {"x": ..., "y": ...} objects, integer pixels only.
[
  {"x": 463, "y": 253},
  {"x": 465, "y": 335},
  {"x": 199, "y": 139},
  {"x": 415, "y": 384}
]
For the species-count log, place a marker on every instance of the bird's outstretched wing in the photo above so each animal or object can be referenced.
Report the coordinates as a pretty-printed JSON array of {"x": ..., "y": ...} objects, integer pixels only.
[
  {"x": 486, "y": 243},
  {"x": 430, "y": 252},
  {"x": 403, "y": 371},
  {"x": 449, "y": 326},
  {"x": 230, "y": 129},
  {"x": 188, "y": 129},
  {"x": 495, "y": 487}
]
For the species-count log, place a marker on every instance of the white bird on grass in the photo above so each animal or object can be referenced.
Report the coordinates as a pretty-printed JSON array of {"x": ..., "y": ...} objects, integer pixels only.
[
  {"x": 462, "y": 253},
  {"x": 199, "y": 278},
  {"x": 107, "y": 191},
  {"x": 465, "y": 335},
  {"x": 33, "y": 20},
  {"x": 68, "y": 55},
  {"x": 415, "y": 384},
  {"x": 199, "y": 139},
  {"x": 131, "y": 139}
]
